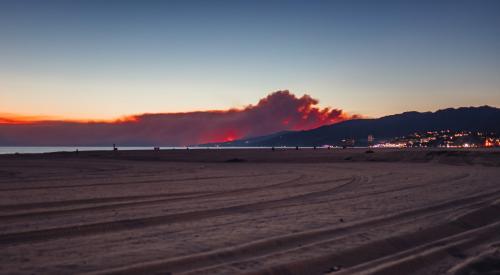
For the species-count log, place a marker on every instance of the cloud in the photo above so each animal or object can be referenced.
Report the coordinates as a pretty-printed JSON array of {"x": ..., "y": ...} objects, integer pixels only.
[{"x": 278, "y": 111}]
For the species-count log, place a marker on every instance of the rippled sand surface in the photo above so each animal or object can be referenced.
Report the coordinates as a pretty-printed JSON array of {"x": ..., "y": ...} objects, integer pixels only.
[{"x": 251, "y": 211}]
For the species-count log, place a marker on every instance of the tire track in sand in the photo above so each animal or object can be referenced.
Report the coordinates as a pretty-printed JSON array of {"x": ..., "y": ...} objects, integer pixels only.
[
  {"x": 470, "y": 229},
  {"x": 135, "y": 182},
  {"x": 131, "y": 202},
  {"x": 273, "y": 245},
  {"x": 129, "y": 224}
]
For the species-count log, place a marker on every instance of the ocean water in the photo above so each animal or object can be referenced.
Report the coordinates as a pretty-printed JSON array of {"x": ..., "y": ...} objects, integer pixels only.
[{"x": 52, "y": 149}]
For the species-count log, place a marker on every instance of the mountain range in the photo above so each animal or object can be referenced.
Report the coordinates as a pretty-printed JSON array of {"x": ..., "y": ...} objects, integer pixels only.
[{"x": 485, "y": 119}]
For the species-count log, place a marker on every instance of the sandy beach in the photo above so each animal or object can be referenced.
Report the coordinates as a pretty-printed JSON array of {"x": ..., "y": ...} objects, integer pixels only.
[{"x": 393, "y": 211}]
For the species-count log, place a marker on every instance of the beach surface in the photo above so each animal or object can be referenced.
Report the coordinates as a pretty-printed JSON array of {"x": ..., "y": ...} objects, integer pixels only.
[{"x": 352, "y": 211}]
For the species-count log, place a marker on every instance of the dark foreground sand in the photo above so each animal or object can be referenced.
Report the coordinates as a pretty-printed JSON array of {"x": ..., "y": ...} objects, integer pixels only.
[{"x": 251, "y": 211}]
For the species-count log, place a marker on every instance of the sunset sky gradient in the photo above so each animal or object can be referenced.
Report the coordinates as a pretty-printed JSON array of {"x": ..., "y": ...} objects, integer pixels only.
[{"x": 104, "y": 60}]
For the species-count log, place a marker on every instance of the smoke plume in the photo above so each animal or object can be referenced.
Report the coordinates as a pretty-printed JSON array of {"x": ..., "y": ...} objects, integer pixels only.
[{"x": 278, "y": 111}]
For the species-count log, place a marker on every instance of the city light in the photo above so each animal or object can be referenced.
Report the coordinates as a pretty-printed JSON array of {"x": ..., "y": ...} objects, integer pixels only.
[{"x": 443, "y": 138}]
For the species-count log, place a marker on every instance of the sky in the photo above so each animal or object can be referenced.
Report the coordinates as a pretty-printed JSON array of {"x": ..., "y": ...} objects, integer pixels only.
[{"x": 103, "y": 60}]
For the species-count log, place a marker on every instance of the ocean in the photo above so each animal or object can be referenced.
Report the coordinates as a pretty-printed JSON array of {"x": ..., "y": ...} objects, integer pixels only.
[{"x": 52, "y": 149}]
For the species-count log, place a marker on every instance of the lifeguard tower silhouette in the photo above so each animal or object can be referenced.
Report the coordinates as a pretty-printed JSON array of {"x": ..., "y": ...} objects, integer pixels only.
[{"x": 370, "y": 140}]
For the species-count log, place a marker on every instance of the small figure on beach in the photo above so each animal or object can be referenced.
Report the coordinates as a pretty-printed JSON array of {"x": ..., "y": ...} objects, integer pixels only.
[
  {"x": 272, "y": 148},
  {"x": 348, "y": 142},
  {"x": 296, "y": 147},
  {"x": 114, "y": 147}
]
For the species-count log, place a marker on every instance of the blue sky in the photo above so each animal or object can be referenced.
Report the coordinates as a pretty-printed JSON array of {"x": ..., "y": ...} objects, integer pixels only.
[{"x": 105, "y": 59}]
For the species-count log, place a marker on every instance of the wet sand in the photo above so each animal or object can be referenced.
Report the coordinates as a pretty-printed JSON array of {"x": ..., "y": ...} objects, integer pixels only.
[{"x": 251, "y": 212}]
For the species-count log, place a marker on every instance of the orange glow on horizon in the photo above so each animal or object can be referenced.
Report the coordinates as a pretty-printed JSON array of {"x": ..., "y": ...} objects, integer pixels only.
[
  {"x": 15, "y": 119},
  {"x": 34, "y": 119},
  {"x": 229, "y": 135}
]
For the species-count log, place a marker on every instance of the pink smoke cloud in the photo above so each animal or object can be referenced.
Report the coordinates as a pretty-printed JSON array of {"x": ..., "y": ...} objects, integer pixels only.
[{"x": 278, "y": 111}]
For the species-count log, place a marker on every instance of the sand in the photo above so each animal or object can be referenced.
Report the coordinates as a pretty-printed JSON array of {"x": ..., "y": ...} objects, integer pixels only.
[{"x": 251, "y": 212}]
